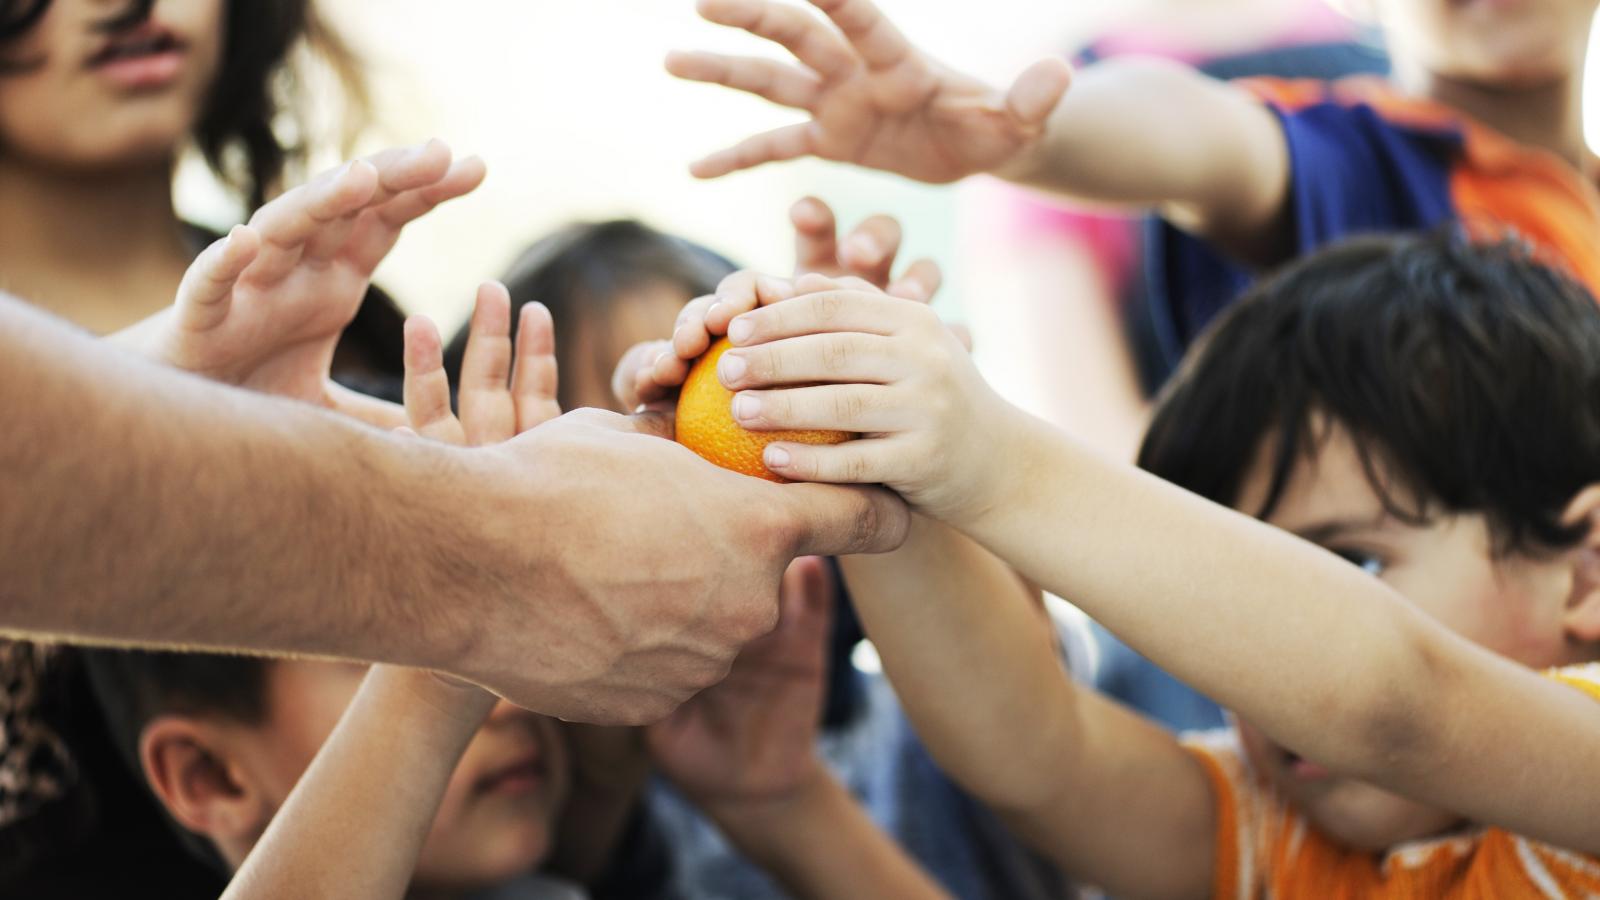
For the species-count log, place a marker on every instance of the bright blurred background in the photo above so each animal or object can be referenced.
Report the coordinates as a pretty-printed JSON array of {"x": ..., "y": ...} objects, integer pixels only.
[{"x": 568, "y": 102}]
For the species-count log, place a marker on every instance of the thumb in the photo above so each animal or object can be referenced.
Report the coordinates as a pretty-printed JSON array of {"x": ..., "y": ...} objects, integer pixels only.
[
  {"x": 834, "y": 520},
  {"x": 1037, "y": 91}
]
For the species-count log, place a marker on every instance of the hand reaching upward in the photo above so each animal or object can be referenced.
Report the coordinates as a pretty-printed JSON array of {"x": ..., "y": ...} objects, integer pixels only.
[{"x": 874, "y": 99}]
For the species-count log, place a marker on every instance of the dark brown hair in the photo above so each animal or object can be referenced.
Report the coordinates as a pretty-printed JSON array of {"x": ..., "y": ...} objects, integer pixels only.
[
  {"x": 1468, "y": 375},
  {"x": 581, "y": 271},
  {"x": 236, "y": 131}
]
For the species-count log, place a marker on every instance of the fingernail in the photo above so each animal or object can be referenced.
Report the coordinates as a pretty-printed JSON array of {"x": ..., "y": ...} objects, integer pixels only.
[
  {"x": 732, "y": 368},
  {"x": 746, "y": 407},
  {"x": 866, "y": 249},
  {"x": 740, "y": 330},
  {"x": 711, "y": 310},
  {"x": 776, "y": 457}
]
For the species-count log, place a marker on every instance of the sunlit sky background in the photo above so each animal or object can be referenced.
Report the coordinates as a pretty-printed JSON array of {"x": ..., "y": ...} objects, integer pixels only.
[{"x": 568, "y": 102}]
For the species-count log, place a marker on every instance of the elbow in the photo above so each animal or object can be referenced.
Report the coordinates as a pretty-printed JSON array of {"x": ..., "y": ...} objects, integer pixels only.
[{"x": 1399, "y": 722}]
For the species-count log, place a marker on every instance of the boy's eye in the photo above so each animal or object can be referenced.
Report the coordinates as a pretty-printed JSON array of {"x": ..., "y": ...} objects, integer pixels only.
[{"x": 1362, "y": 560}]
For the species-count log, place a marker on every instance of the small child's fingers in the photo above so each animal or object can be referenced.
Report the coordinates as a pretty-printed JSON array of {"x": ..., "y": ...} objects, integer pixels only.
[
  {"x": 463, "y": 177},
  {"x": 488, "y": 411},
  {"x": 829, "y": 358},
  {"x": 869, "y": 312},
  {"x": 815, "y": 282},
  {"x": 807, "y": 595},
  {"x": 427, "y": 388},
  {"x": 402, "y": 169},
  {"x": 535, "y": 379},
  {"x": 486, "y": 365},
  {"x": 386, "y": 221},
  {"x": 775, "y": 82},
  {"x": 1037, "y": 92},
  {"x": 816, "y": 239},
  {"x": 689, "y": 335},
  {"x": 633, "y": 368},
  {"x": 399, "y": 170},
  {"x": 288, "y": 223},
  {"x": 919, "y": 282},
  {"x": 852, "y": 462},
  {"x": 668, "y": 373},
  {"x": 870, "y": 250},
  {"x": 777, "y": 145},
  {"x": 857, "y": 408},
  {"x": 206, "y": 293},
  {"x": 742, "y": 292}
]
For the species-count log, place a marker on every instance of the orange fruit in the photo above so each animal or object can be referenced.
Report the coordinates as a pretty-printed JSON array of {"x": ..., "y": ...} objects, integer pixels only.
[{"x": 706, "y": 424}]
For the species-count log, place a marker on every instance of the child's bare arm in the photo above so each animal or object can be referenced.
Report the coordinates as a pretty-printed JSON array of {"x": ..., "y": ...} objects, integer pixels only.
[
  {"x": 974, "y": 662},
  {"x": 1326, "y": 660},
  {"x": 1142, "y": 134},
  {"x": 355, "y": 822},
  {"x": 744, "y": 752}
]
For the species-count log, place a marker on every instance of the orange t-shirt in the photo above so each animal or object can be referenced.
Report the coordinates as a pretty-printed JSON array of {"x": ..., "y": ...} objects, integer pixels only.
[{"x": 1267, "y": 850}]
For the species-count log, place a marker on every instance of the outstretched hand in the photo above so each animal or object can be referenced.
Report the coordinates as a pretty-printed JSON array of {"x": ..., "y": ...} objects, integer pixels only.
[
  {"x": 503, "y": 391},
  {"x": 264, "y": 307},
  {"x": 651, "y": 372},
  {"x": 752, "y": 737},
  {"x": 873, "y": 98}
]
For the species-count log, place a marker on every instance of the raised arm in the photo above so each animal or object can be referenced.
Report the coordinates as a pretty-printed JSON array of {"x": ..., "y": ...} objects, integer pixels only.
[
  {"x": 352, "y": 828},
  {"x": 1338, "y": 667},
  {"x": 355, "y": 823},
  {"x": 974, "y": 662},
  {"x": 1140, "y": 134},
  {"x": 144, "y": 506},
  {"x": 745, "y": 753}
]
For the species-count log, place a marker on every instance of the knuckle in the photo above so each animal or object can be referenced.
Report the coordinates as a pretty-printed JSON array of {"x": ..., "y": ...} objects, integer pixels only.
[
  {"x": 848, "y": 405},
  {"x": 855, "y": 468},
  {"x": 836, "y": 353},
  {"x": 828, "y": 306}
]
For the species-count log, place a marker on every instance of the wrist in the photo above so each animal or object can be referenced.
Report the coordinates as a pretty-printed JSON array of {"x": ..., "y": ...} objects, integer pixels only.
[
  {"x": 428, "y": 708},
  {"x": 992, "y": 489},
  {"x": 435, "y": 619},
  {"x": 762, "y": 823}
]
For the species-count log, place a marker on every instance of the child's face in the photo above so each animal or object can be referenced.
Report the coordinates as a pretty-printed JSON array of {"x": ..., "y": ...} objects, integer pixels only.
[
  {"x": 497, "y": 816},
  {"x": 1512, "y": 606},
  {"x": 97, "y": 100},
  {"x": 1489, "y": 42},
  {"x": 642, "y": 313}
]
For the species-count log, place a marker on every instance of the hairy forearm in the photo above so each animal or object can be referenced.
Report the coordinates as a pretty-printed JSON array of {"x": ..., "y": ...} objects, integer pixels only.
[
  {"x": 1151, "y": 134},
  {"x": 356, "y": 821},
  {"x": 857, "y": 860},
  {"x": 140, "y": 505},
  {"x": 942, "y": 608}
]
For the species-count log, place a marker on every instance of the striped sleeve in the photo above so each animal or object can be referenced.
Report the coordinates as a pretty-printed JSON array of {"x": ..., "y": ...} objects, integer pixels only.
[{"x": 1585, "y": 678}]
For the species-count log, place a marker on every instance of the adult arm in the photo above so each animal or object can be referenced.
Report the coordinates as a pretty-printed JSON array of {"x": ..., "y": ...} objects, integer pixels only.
[{"x": 141, "y": 505}]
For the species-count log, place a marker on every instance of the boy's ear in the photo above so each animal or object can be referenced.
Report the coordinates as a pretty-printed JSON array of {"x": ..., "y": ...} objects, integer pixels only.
[
  {"x": 1582, "y": 617},
  {"x": 188, "y": 766}
]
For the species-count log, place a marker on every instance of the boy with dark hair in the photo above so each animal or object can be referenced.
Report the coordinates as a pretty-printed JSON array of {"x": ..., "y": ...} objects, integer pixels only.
[{"x": 1411, "y": 653}]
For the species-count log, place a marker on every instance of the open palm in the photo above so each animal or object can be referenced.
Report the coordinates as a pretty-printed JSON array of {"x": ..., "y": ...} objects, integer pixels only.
[
  {"x": 265, "y": 308},
  {"x": 874, "y": 99}
]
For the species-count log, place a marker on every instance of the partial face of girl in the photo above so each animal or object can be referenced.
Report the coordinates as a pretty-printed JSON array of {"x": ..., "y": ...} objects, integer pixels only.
[{"x": 90, "y": 94}]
